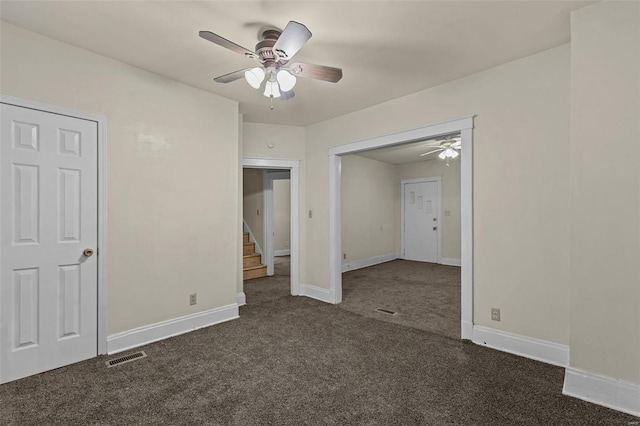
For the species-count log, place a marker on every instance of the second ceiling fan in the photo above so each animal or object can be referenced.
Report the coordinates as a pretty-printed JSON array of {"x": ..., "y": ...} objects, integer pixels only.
[
  {"x": 448, "y": 147},
  {"x": 274, "y": 51}
]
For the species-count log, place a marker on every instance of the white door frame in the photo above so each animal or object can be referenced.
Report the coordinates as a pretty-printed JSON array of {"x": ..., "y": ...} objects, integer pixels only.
[
  {"x": 294, "y": 169},
  {"x": 101, "y": 252},
  {"x": 464, "y": 126},
  {"x": 403, "y": 182},
  {"x": 268, "y": 215}
]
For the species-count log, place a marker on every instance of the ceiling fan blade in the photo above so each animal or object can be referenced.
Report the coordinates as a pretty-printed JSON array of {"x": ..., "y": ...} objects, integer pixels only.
[
  {"x": 285, "y": 96},
  {"x": 431, "y": 152},
  {"x": 294, "y": 36},
  {"x": 232, "y": 76},
  {"x": 221, "y": 41},
  {"x": 319, "y": 72}
]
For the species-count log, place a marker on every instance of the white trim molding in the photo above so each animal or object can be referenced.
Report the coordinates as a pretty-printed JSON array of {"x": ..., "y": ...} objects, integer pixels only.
[
  {"x": 464, "y": 126},
  {"x": 450, "y": 261},
  {"x": 101, "y": 251},
  {"x": 528, "y": 347},
  {"x": 608, "y": 392},
  {"x": 163, "y": 330},
  {"x": 294, "y": 169},
  {"x": 352, "y": 265},
  {"x": 286, "y": 252},
  {"x": 318, "y": 293},
  {"x": 268, "y": 209},
  {"x": 241, "y": 299}
]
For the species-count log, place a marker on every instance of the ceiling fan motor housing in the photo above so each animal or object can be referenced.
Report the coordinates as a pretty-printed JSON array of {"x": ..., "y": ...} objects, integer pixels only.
[{"x": 264, "y": 48}]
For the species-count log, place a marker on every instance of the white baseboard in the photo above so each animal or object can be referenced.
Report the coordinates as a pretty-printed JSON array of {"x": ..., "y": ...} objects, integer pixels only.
[
  {"x": 528, "y": 347},
  {"x": 616, "y": 394},
  {"x": 282, "y": 252},
  {"x": 162, "y": 330},
  {"x": 318, "y": 293},
  {"x": 450, "y": 261},
  {"x": 241, "y": 299},
  {"x": 363, "y": 263}
]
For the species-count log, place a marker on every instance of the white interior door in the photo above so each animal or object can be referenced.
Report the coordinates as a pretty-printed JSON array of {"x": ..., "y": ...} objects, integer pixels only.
[
  {"x": 48, "y": 288},
  {"x": 421, "y": 221}
]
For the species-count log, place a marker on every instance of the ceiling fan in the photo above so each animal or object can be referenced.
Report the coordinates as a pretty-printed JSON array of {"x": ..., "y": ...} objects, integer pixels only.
[
  {"x": 447, "y": 147},
  {"x": 274, "y": 51}
]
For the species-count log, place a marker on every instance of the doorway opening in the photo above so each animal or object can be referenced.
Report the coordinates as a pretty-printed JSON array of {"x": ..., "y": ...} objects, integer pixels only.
[
  {"x": 462, "y": 127},
  {"x": 271, "y": 218}
]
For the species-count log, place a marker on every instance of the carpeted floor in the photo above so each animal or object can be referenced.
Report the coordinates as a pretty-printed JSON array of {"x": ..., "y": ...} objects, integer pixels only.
[
  {"x": 297, "y": 361},
  {"x": 423, "y": 295}
]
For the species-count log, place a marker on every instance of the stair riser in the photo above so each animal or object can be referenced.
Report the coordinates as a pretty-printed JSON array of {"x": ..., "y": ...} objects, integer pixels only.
[
  {"x": 255, "y": 273},
  {"x": 248, "y": 249},
  {"x": 245, "y": 237},
  {"x": 249, "y": 262}
]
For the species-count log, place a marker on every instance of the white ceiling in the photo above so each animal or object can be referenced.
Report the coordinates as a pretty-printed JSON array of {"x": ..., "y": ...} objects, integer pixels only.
[{"x": 387, "y": 49}]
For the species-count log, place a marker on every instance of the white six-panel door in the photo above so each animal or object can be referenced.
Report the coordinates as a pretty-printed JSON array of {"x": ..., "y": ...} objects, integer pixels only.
[
  {"x": 48, "y": 288},
  {"x": 421, "y": 221}
]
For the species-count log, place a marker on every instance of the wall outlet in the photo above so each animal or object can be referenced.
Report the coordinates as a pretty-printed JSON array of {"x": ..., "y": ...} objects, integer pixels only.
[
  {"x": 447, "y": 212},
  {"x": 310, "y": 214},
  {"x": 495, "y": 314},
  {"x": 193, "y": 298},
  {"x": 344, "y": 256}
]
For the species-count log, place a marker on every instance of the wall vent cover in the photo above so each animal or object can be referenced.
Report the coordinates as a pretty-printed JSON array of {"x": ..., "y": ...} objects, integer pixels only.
[
  {"x": 386, "y": 311},
  {"x": 127, "y": 358}
]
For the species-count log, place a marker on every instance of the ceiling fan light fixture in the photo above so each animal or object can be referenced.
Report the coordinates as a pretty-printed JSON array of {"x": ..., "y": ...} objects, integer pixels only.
[
  {"x": 271, "y": 89},
  {"x": 443, "y": 155},
  {"x": 453, "y": 153},
  {"x": 286, "y": 80},
  {"x": 254, "y": 77}
]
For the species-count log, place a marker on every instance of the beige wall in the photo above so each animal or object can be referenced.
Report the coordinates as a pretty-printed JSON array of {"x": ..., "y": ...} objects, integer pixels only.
[
  {"x": 281, "y": 214},
  {"x": 253, "y": 203},
  {"x": 521, "y": 153},
  {"x": 450, "y": 200},
  {"x": 172, "y": 198},
  {"x": 605, "y": 184},
  {"x": 370, "y": 196}
]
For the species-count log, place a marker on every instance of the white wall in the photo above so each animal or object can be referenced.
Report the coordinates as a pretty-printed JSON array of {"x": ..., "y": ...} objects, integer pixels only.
[
  {"x": 282, "y": 214},
  {"x": 253, "y": 203},
  {"x": 172, "y": 175},
  {"x": 521, "y": 152},
  {"x": 605, "y": 184},
  {"x": 370, "y": 197},
  {"x": 450, "y": 200}
]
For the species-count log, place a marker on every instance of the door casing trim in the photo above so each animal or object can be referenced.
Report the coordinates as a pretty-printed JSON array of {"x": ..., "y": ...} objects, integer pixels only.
[
  {"x": 101, "y": 122},
  {"x": 293, "y": 166}
]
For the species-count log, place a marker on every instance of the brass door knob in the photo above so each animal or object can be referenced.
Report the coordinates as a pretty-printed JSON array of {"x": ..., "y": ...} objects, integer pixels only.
[{"x": 88, "y": 252}]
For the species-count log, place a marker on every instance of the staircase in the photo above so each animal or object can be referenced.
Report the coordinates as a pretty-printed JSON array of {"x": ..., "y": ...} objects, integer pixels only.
[{"x": 251, "y": 267}]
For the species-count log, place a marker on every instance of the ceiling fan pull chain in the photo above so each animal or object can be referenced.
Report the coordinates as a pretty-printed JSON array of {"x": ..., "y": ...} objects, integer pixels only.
[{"x": 271, "y": 100}]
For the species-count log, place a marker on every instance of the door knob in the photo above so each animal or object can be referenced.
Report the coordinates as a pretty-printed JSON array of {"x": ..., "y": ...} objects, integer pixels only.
[
  {"x": 88, "y": 252},
  {"x": 435, "y": 228}
]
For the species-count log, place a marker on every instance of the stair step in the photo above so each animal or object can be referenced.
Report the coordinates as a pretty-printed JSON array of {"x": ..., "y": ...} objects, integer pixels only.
[
  {"x": 254, "y": 272},
  {"x": 245, "y": 237},
  {"x": 250, "y": 260},
  {"x": 248, "y": 248}
]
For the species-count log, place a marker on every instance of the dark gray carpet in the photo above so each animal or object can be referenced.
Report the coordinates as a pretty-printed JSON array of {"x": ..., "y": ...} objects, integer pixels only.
[
  {"x": 423, "y": 295},
  {"x": 297, "y": 361}
]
